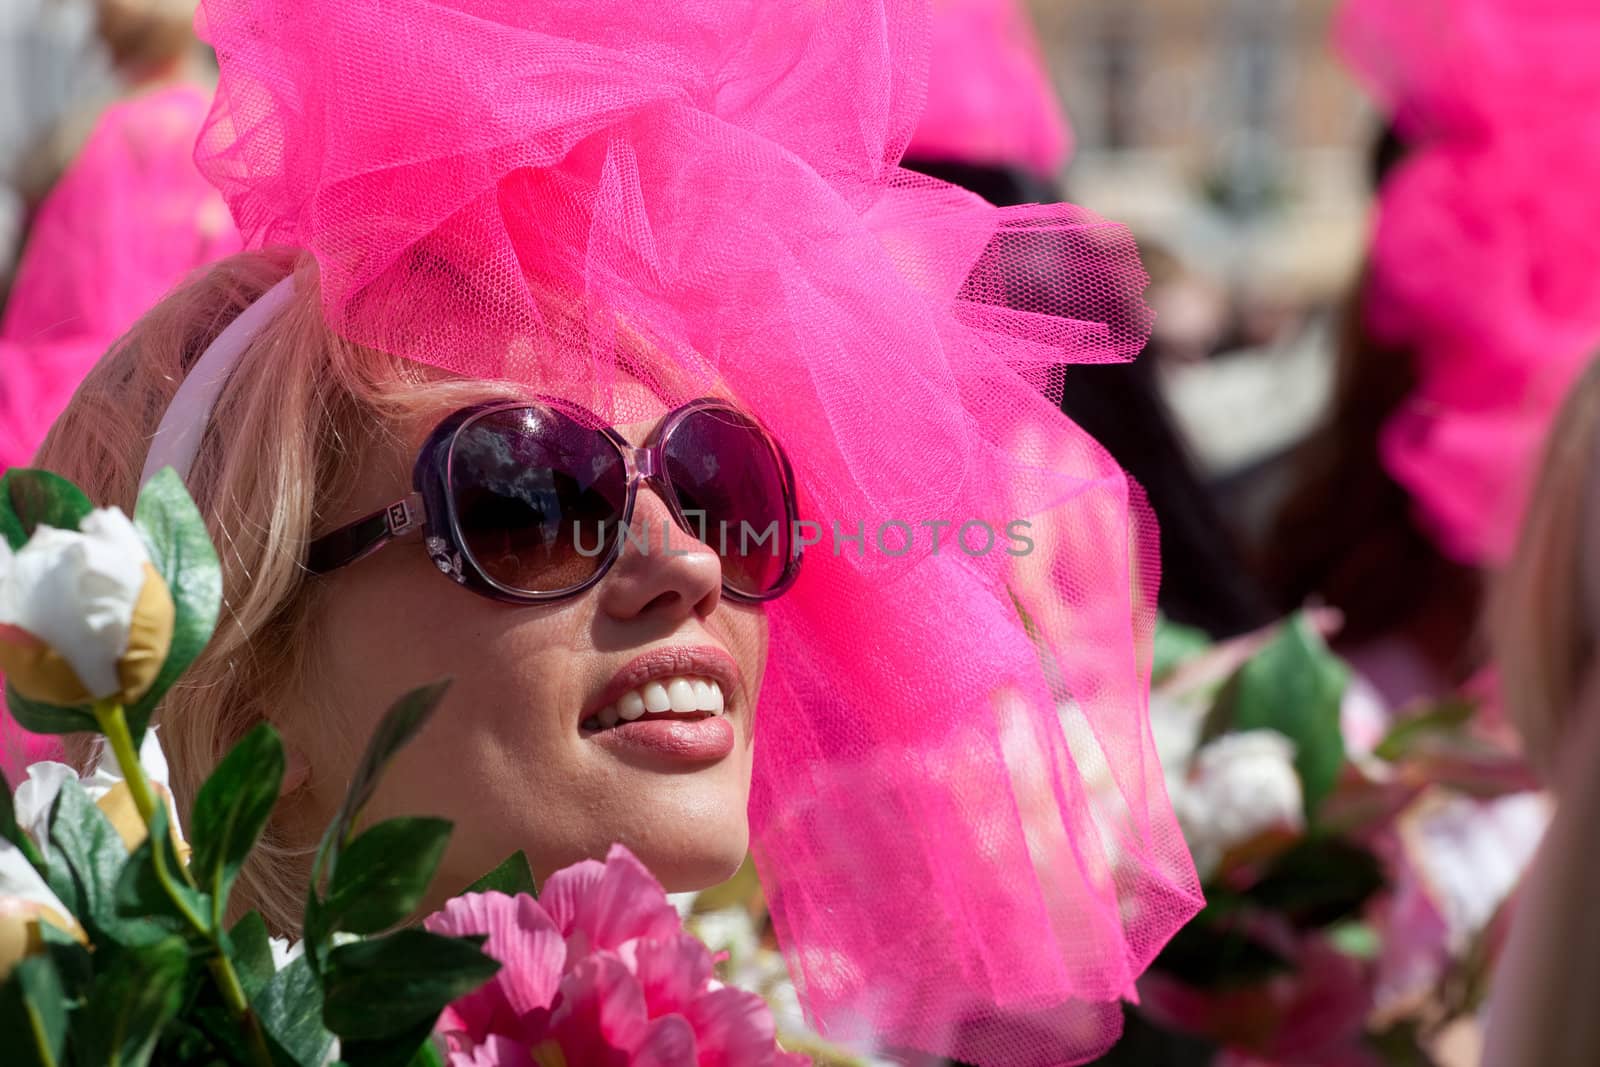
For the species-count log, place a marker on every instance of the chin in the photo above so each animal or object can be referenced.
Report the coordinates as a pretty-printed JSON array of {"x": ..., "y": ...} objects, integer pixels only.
[{"x": 685, "y": 864}]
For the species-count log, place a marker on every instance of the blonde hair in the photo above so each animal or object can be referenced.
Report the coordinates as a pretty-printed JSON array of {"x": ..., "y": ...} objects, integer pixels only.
[
  {"x": 1540, "y": 620},
  {"x": 145, "y": 36},
  {"x": 275, "y": 459}
]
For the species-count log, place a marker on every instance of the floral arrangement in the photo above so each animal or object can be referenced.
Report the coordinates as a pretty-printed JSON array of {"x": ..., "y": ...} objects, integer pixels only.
[
  {"x": 114, "y": 942},
  {"x": 1356, "y": 869}
]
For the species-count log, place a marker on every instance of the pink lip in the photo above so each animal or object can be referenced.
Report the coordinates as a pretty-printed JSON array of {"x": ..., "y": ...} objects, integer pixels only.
[
  {"x": 705, "y": 740},
  {"x": 707, "y": 661}
]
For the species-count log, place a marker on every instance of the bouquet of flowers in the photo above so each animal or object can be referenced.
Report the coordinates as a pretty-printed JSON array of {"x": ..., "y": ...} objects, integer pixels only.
[
  {"x": 114, "y": 942},
  {"x": 1356, "y": 869}
]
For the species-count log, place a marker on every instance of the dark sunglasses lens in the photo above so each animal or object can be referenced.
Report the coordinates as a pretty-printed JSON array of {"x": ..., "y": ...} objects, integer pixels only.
[
  {"x": 538, "y": 498},
  {"x": 729, "y": 483}
]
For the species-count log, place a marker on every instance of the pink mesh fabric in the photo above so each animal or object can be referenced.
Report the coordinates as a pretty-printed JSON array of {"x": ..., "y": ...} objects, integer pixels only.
[
  {"x": 989, "y": 96},
  {"x": 129, "y": 218},
  {"x": 957, "y": 811},
  {"x": 1486, "y": 254}
]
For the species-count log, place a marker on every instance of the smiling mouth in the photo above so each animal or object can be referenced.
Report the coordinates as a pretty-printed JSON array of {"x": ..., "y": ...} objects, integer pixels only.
[{"x": 681, "y": 697}]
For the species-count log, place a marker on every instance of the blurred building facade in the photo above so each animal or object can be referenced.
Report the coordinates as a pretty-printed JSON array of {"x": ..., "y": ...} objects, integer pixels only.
[{"x": 1226, "y": 129}]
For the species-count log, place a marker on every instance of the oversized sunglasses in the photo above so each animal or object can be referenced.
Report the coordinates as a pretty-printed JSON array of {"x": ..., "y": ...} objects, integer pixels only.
[{"x": 531, "y": 501}]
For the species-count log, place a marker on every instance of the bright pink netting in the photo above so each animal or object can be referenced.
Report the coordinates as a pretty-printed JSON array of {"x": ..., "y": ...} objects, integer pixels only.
[
  {"x": 1486, "y": 255},
  {"x": 129, "y": 218},
  {"x": 963, "y": 830},
  {"x": 989, "y": 96}
]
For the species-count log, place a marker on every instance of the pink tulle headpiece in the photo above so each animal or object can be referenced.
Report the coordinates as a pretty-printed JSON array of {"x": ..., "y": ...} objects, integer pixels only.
[
  {"x": 1486, "y": 257},
  {"x": 989, "y": 96},
  {"x": 957, "y": 810}
]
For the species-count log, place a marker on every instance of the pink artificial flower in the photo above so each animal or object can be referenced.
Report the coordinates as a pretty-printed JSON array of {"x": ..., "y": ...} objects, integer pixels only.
[{"x": 599, "y": 971}]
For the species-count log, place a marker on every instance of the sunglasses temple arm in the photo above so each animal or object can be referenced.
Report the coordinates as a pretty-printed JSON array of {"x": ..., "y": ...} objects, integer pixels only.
[{"x": 365, "y": 536}]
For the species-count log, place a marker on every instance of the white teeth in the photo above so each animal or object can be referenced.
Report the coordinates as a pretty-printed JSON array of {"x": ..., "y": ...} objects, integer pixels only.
[
  {"x": 680, "y": 695},
  {"x": 681, "y": 692},
  {"x": 655, "y": 697},
  {"x": 631, "y": 705}
]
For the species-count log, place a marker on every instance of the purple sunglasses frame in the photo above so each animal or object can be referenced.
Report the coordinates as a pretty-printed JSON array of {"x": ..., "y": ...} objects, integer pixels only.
[{"x": 430, "y": 508}]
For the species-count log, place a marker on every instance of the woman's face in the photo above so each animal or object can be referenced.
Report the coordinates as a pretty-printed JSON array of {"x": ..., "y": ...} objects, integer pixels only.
[{"x": 511, "y": 757}]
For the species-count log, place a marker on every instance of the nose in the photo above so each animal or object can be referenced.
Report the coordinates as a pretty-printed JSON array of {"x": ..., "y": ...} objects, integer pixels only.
[{"x": 661, "y": 571}]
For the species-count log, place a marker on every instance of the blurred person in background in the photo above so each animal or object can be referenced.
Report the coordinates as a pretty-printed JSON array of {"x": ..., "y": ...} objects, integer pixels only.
[
  {"x": 128, "y": 219},
  {"x": 994, "y": 125},
  {"x": 1478, "y": 306},
  {"x": 1544, "y": 621}
]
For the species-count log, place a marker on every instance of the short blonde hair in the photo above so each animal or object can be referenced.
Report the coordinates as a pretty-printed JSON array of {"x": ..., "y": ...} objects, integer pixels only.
[
  {"x": 144, "y": 36},
  {"x": 275, "y": 458},
  {"x": 1540, "y": 622}
]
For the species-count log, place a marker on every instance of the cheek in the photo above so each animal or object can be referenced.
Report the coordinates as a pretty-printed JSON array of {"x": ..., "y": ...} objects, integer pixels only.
[{"x": 399, "y": 625}]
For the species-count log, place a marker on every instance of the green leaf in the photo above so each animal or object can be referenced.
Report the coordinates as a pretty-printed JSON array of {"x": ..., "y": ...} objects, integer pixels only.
[
  {"x": 1446, "y": 717},
  {"x": 249, "y": 946},
  {"x": 412, "y": 1048},
  {"x": 182, "y": 552},
  {"x": 1294, "y": 686},
  {"x": 427, "y": 1055},
  {"x": 384, "y": 874},
  {"x": 386, "y": 987},
  {"x": 290, "y": 1009},
  {"x": 10, "y": 831},
  {"x": 513, "y": 876},
  {"x": 37, "y": 717},
  {"x": 152, "y": 885},
  {"x": 33, "y": 1014},
  {"x": 86, "y": 858},
  {"x": 1173, "y": 644},
  {"x": 30, "y": 498},
  {"x": 131, "y": 1001},
  {"x": 399, "y": 725},
  {"x": 1319, "y": 882},
  {"x": 232, "y": 809}
]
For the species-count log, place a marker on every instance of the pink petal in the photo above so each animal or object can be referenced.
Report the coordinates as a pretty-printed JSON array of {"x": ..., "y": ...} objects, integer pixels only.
[
  {"x": 599, "y": 1017},
  {"x": 530, "y": 950},
  {"x": 497, "y": 1051},
  {"x": 673, "y": 972},
  {"x": 733, "y": 1029},
  {"x": 601, "y": 906},
  {"x": 791, "y": 1059},
  {"x": 668, "y": 1043}
]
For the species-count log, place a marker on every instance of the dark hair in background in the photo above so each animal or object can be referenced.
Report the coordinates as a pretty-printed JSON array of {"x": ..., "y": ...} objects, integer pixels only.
[
  {"x": 1203, "y": 582},
  {"x": 1346, "y": 531}
]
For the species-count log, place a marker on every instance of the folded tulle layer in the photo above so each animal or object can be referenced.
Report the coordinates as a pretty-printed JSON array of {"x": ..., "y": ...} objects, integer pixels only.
[
  {"x": 1486, "y": 253},
  {"x": 957, "y": 809}
]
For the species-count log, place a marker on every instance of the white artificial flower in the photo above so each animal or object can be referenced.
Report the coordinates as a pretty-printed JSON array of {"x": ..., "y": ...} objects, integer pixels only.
[
  {"x": 37, "y": 795},
  {"x": 1239, "y": 786},
  {"x": 92, "y": 598},
  {"x": 25, "y": 901}
]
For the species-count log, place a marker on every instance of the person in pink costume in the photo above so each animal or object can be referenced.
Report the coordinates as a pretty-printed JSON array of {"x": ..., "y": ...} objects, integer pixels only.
[
  {"x": 127, "y": 221},
  {"x": 1485, "y": 258},
  {"x": 990, "y": 100},
  {"x": 668, "y": 246}
]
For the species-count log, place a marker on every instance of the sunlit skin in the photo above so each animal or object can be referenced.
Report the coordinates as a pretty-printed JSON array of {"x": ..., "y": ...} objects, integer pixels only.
[{"x": 505, "y": 758}]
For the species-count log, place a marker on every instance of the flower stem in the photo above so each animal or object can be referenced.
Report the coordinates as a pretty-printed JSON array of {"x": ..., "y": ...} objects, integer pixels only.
[{"x": 114, "y": 724}]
